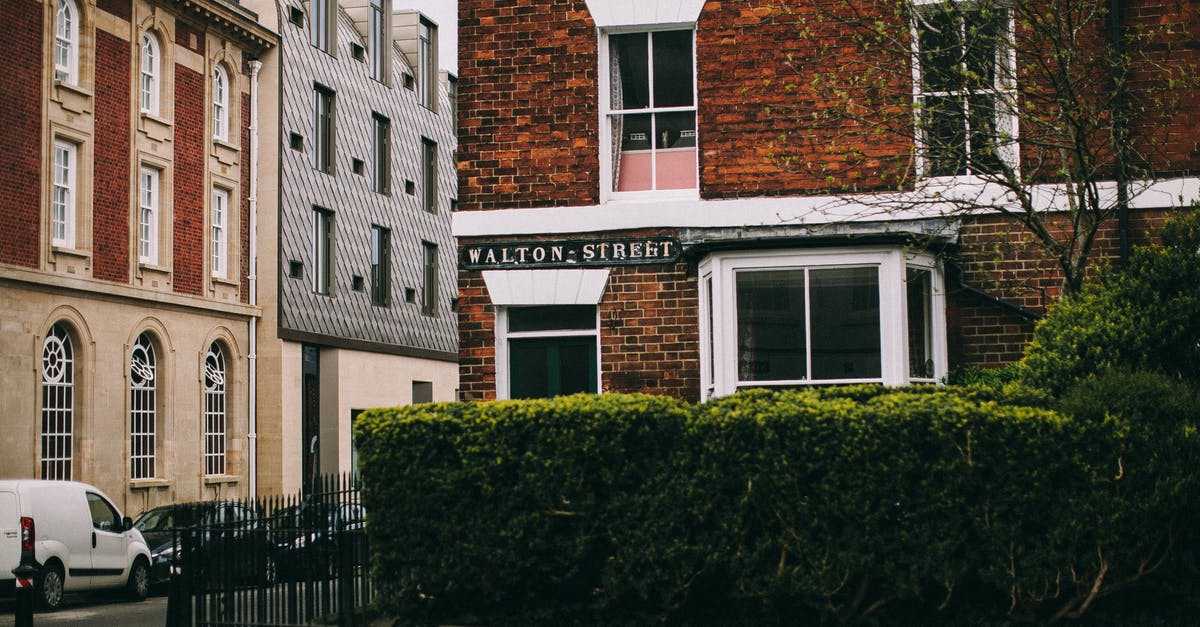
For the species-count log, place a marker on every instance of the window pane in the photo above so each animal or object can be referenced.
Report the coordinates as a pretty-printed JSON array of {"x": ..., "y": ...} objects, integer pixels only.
[
  {"x": 675, "y": 161},
  {"x": 543, "y": 368},
  {"x": 984, "y": 141},
  {"x": 845, "y": 323},
  {"x": 631, "y": 84},
  {"x": 941, "y": 50},
  {"x": 945, "y": 137},
  {"x": 984, "y": 36},
  {"x": 919, "y": 294},
  {"x": 551, "y": 317},
  {"x": 673, "y": 68},
  {"x": 770, "y": 326}
]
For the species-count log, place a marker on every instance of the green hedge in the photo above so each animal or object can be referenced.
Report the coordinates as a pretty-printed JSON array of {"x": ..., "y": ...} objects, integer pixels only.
[
  {"x": 851, "y": 505},
  {"x": 1145, "y": 317}
]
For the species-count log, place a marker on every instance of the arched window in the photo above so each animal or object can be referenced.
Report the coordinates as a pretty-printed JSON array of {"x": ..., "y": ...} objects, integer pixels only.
[
  {"x": 66, "y": 42},
  {"x": 220, "y": 91},
  {"x": 143, "y": 408},
  {"x": 151, "y": 71},
  {"x": 214, "y": 411},
  {"x": 58, "y": 404}
]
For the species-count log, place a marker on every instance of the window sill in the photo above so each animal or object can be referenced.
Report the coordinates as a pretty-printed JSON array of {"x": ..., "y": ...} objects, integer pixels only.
[
  {"x": 155, "y": 127},
  {"x": 220, "y": 280},
  {"x": 73, "y": 97},
  {"x": 226, "y": 152},
  {"x": 221, "y": 479},
  {"x": 70, "y": 251},
  {"x": 149, "y": 484}
]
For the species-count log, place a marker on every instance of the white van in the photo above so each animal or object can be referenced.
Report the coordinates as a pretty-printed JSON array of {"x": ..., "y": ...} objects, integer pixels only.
[{"x": 75, "y": 537}]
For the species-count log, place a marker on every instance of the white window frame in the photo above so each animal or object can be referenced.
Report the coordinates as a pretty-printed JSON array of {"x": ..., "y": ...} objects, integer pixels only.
[
  {"x": 66, "y": 42},
  {"x": 151, "y": 73},
  {"x": 604, "y": 74},
  {"x": 381, "y": 153},
  {"x": 215, "y": 405},
  {"x": 58, "y": 404},
  {"x": 324, "y": 107},
  {"x": 143, "y": 409},
  {"x": 1004, "y": 92},
  {"x": 149, "y": 197},
  {"x": 503, "y": 336},
  {"x": 718, "y": 315},
  {"x": 220, "y": 98},
  {"x": 64, "y": 193},
  {"x": 220, "y": 232}
]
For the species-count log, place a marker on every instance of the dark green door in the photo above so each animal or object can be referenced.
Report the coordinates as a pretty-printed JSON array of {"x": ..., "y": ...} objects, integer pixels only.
[{"x": 546, "y": 367}]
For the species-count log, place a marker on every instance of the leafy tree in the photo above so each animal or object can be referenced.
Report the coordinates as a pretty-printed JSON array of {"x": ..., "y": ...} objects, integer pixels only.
[{"x": 1040, "y": 103}]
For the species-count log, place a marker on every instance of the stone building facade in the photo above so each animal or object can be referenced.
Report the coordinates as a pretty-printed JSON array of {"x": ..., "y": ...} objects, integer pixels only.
[
  {"x": 125, "y": 253},
  {"x": 650, "y": 201}
]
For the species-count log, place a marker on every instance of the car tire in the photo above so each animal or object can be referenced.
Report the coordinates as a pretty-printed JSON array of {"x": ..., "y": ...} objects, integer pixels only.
[
  {"x": 48, "y": 587},
  {"x": 138, "y": 586}
]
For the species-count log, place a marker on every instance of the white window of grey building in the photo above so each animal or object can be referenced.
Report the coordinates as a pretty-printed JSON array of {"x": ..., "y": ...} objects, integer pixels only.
[
  {"x": 58, "y": 404},
  {"x": 380, "y": 39},
  {"x": 322, "y": 250},
  {"x": 427, "y": 63}
]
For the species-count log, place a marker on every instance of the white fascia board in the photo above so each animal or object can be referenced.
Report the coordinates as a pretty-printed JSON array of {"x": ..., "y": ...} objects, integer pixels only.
[{"x": 793, "y": 211}]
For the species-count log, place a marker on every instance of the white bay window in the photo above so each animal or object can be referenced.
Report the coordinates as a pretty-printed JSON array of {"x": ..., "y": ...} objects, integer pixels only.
[{"x": 786, "y": 318}]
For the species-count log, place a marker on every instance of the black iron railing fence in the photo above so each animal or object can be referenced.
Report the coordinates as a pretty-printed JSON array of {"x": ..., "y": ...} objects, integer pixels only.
[{"x": 279, "y": 561}]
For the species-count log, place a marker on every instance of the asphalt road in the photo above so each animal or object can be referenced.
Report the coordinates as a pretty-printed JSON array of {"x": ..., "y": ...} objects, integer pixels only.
[{"x": 95, "y": 610}]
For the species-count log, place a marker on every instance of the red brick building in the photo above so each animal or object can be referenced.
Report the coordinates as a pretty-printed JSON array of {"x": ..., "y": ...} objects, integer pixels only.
[
  {"x": 126, "y": 265},
  {"x": 669, "y": 196}
]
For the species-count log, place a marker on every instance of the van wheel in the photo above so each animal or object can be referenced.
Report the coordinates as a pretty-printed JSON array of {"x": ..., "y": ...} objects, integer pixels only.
[
  {"x": 49, "y": 587},
  {"x": 138, "y": 587}
]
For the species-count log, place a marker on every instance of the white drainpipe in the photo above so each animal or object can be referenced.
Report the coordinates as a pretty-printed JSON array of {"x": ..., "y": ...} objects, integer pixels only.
[{"x": 252, "y": 431}]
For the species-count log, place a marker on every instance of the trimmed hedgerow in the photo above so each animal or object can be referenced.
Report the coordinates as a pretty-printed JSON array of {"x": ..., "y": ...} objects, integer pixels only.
[{"x": 855, "y": 505}]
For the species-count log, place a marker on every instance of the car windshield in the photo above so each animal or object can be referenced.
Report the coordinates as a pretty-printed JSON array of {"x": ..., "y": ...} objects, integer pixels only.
[{"x": 161, "y": 519}]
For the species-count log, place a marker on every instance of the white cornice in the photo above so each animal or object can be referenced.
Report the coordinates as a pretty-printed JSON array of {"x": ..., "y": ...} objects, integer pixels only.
[{"x": 799, "y": 210}]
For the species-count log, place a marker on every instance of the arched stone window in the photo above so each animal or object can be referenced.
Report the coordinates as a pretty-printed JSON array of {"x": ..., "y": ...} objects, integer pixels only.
[
  {"x": 143, "y": 408},
  {"x": 215, "y": 399},
  {"x": 220, "y": 96},
  {"x": 58, "y": 404},
  {"x": 66, "y": 42},
  {"x": 151, "y": 73}
]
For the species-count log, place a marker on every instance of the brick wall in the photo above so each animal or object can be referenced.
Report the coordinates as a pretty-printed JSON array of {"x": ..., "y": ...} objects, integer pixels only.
[
  {"x": 120, "y": 8},
  {"x": 188, "y": 201},
  {"x": 527, "y": 133},
  {"x": 999, "y": 257},
  {"x": 110, "y": 208},
  {"x": 21, "y": 142}
]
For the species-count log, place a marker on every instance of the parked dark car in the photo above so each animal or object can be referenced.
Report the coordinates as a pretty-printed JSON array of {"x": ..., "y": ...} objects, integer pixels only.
[
  {"x": 317, "y": 539},
  {"x": 233, "y": 539}
]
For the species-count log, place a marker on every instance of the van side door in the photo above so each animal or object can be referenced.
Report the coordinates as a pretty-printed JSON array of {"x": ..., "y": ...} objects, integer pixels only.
[{"x": 109, "y": 543}]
